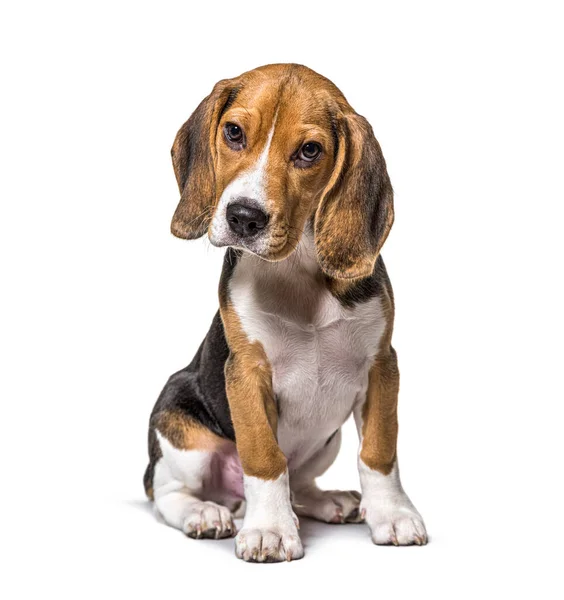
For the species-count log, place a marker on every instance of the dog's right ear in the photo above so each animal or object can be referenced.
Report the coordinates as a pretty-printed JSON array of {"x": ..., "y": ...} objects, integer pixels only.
[{"x": 193, "y": 158}]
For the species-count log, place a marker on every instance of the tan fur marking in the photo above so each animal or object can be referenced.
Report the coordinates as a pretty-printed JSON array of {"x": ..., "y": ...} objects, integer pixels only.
[
  {"x": 379, "y": 413},
  {"x": 185, "y": 434},
  {"x": 248, "y": 379}
]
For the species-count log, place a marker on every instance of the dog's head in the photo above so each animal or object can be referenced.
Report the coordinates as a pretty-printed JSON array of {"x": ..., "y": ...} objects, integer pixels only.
[{"x": 275, "y": 149}]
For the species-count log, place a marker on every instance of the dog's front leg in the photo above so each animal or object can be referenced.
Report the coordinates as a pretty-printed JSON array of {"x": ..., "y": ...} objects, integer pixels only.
[
  {"x": 391, "y": 516},
  {"x": 269, "y": 532}
]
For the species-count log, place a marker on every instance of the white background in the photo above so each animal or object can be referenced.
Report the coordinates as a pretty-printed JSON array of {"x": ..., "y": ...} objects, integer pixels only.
[{"x": 100, "y": 304}]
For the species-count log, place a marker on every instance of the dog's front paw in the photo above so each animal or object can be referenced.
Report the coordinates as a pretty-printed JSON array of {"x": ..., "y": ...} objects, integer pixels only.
[
  {"x": 273, "y": 544},
  {"x": 401, "y": 525}
]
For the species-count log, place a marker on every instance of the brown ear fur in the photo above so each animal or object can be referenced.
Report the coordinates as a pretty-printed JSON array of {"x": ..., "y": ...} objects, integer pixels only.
[
  {"x": 193, "y": 161},
  {"x": 356, "y": 210}
]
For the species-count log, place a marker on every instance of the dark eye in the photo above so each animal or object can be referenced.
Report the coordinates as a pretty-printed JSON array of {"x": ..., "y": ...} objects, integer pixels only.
[
  {"x": 309, "y": 152},
  {"x": 234, "y": 134}
]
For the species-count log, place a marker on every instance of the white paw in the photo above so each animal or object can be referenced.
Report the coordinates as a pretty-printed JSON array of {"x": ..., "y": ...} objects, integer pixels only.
[
  {"x": 208, "y": 520},
  {"x": 274, "y": 544},
  {"x": 400, "y": 526},
  {"x": 332, "y": 506}
]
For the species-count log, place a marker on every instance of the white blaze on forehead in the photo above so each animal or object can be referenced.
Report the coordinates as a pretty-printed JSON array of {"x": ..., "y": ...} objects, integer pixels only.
[
  {"x": 254, "y": 180},
  {"x": 249, "y": 184}
]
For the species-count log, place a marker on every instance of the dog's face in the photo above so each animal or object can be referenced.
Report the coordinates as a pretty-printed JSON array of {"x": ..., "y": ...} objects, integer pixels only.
[{"x": 273, "y": 150}]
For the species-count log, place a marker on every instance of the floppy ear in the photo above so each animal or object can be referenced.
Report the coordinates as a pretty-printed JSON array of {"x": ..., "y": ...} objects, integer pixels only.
[
  {"x": 356, "y": 211},
  {"x": 193, "y": 157}
]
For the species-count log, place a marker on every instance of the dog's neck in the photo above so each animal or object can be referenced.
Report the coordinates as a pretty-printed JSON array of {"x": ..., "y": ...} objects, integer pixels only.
[
  {"x": 294, "y": 288},
  {"x": 301, "y": 264}
]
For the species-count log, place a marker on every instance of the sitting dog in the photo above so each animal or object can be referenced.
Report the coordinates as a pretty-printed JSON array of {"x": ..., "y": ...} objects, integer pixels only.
[{"x": 277, "y": 166}]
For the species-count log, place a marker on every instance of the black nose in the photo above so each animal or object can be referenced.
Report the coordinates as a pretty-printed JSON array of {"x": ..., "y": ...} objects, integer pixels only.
[{"x": 245, "y": 220}]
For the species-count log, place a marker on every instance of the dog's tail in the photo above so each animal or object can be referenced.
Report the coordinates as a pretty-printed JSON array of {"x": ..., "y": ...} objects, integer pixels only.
[{"x": 148, "y": 480}]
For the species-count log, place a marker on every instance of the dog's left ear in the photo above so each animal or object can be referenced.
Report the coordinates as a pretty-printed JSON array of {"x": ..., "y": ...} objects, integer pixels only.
[
  {"x": 193, "y": 158},
  {"x": 356, "y": 210}
]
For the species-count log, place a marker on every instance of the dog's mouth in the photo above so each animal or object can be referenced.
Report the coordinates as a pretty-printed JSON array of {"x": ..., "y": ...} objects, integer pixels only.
[
  {"x": 267, "y": 237},
  {"x": 270, "y": 248}
]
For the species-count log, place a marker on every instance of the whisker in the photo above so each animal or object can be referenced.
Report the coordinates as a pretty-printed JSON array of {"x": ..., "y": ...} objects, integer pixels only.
[{"x": 201, "y": 215}]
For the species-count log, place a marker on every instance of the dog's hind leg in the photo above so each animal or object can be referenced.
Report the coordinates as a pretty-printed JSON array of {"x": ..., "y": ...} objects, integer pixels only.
[
  {"x": 331, "y": 506},
  {"x": 179, "y": 492},
  {"x": 188, "y": 473}
]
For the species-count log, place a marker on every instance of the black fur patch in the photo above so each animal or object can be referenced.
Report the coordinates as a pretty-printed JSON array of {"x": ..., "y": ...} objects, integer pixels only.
[
  {"x": 230, "y": 100},
  {"x": 198, "y": 391},
  {"x": 366, "y": 288}
]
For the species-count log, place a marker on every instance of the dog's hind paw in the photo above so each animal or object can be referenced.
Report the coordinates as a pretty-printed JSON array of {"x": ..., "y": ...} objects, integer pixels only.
[
  {"x": 208, "y": 520},
  {"x": 331, "y": 506}
]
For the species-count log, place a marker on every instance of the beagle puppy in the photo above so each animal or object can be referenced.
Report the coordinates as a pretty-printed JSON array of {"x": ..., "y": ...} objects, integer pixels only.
[{"x": 276, "y": 166}]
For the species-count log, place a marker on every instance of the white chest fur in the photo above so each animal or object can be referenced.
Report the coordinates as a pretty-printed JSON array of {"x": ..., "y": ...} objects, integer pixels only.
[{"x": 320, "y": 351}]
